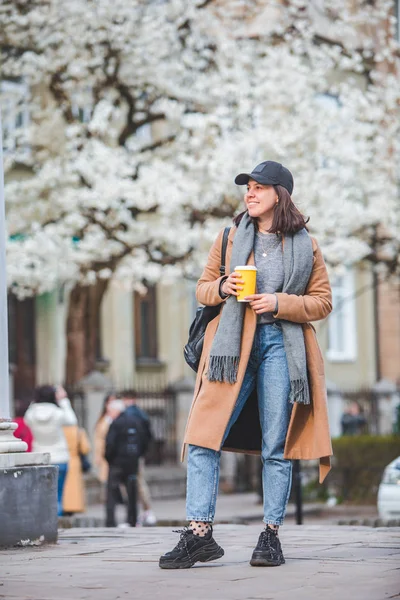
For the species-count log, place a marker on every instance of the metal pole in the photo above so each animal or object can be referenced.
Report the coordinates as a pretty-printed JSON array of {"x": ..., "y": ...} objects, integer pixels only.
[
  {"x": 4, "y": 373},
  {"x": 297, "y": 491},
  {"x": 376, "y": 327}
]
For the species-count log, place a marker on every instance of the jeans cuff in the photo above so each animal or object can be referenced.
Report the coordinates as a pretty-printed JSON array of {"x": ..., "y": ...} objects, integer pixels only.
[
  {"x": 202, "y": 519},
  {"x": 271, "y": 522}
]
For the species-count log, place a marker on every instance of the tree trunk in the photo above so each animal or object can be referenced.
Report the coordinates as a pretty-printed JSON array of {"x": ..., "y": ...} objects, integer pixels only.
[
  {"x": 83, "y": 325},
  {"x": 93, "y": 323}
]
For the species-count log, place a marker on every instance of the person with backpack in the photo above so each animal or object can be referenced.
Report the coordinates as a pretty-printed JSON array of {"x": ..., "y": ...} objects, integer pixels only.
[{"x": 127, "y": 440}]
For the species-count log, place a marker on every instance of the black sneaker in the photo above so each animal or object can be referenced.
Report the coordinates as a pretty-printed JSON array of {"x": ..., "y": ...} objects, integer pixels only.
[
  {"x": 268, "y": 552},
  {"x": 190, "y": 549}
]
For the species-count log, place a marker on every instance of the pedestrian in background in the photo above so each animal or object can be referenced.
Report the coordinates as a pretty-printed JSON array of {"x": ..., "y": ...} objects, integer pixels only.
[
  {"x": 49, "y": 412},
  {"x": 260, "y": 383},
  {"x": 74, "y": 489},
  {"x": 112, "y": 408},
  {"x": 127, "y": 441},
  {"x": 23, "y": 431},
  {"x": 353, "y": 422},
  {"x": 146, "y": 517}
]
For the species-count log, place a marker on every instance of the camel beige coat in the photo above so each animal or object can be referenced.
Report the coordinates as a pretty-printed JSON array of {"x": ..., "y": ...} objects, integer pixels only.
[
  {"x": 308, "y": 434},
  {"x": 74, "y": 490},
  {"x": 100, "y": 434}
]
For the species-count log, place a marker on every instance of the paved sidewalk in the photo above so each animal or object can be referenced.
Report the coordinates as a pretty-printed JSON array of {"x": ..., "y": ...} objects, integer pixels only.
[
  {"x": 231, "y": 508},
  {"x": 236, "y": 508},
  {"x": 329, "y": 562}
]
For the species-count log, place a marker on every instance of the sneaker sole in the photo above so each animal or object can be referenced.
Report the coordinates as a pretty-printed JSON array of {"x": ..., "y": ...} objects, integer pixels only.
[
  {"x": 259, "y": 561},
  {"x": 201, "y": 556}
]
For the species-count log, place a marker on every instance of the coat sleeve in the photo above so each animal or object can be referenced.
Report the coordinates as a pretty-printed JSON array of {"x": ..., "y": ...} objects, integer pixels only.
[
  {"x": 111, "y": 442},
  {"x": 100, "y": 441},
  {"x": 207, "y": 290},
  {"x": 68, "y": 415},
  {"x": 148, "y": 435},
  {"x": 316, "y": 303},
  {"x": 84, "y": 444},
  {"x": 28, "y": 416}
]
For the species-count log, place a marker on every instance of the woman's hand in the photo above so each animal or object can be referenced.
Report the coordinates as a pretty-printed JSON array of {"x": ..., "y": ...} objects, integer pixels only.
[
  {"x": 233, "y": 284},
  {"x": 60, "y": 393},
  {"x": 262, "y": 303}
]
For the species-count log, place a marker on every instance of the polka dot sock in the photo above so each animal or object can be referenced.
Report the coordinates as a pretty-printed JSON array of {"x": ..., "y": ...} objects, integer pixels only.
[
  {"x": 200, "y": 528},
  {"x": 274, "y": 529}
]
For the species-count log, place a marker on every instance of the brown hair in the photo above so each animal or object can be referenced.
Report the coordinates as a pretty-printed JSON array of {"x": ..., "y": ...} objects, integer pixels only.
[
  {"x": 45, "y": 393},
  {"x": 287, "y": 217},
  {"x": 129, "y": 394},
  {"x": 109, "y": 396}
]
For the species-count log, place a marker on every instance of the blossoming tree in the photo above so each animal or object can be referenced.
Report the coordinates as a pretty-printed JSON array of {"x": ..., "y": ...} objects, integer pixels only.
[{"x": 142, "y": 112}]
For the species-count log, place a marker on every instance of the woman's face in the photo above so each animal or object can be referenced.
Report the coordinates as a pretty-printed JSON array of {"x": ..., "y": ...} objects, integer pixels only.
[{"x": 260, "y": 199}]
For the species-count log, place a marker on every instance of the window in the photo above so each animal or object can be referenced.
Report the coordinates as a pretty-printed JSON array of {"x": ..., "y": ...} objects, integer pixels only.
[
  {"x": 82, "y": 105},
  {"x": 145, "y": 320},
  {"x": 15, "y": 116},
  {"x": 342, "y": 327},
  {"x": 82, "y": 114},
  {"x": 144, "y": 134},
  {"x": 328, "y": 101}
]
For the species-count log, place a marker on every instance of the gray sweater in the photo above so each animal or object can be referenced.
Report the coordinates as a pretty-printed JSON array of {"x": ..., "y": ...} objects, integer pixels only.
[{"x": 269, "y": 268}]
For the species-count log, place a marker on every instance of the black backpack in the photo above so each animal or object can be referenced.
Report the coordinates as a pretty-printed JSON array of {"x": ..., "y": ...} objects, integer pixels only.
[
  {"x": 133, "y": 441},
  {"x": 204, "y": 314},
  {"x": 127, "y": 440}
]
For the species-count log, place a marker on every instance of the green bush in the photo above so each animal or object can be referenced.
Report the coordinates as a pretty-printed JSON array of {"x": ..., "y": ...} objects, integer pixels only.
[{"x": 358, "y": 465}]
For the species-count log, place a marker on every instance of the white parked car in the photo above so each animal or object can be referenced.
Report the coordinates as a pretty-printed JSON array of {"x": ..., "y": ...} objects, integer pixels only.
[{"x": 389, "y": 492}]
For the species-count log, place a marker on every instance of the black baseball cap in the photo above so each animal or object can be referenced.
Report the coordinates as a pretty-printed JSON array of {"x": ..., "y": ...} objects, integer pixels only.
[{"x": 268, "y": 173}]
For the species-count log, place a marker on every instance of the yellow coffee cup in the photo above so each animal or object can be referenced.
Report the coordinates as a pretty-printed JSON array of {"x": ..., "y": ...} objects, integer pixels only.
[{"x": 249, "y": 276}]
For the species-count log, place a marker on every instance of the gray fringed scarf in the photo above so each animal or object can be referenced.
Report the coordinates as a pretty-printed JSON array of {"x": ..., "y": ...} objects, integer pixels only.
[{"x": 225, "y": 350}]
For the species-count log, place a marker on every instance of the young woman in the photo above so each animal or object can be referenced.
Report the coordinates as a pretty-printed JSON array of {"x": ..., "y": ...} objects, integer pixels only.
[
  {"x": 74, "y": 488},
  {"x": 260, "y": 384},
  {"x": 108, "y": 414},
  {"x": 46, "y": 416}
]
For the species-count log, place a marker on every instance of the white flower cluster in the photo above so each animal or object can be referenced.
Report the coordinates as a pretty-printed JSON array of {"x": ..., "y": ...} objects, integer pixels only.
[{"x": 142, "y": 113}]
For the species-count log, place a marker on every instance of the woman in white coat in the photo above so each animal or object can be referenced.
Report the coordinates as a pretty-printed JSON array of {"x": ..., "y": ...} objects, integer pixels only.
[{"x": 47, "y": 415}]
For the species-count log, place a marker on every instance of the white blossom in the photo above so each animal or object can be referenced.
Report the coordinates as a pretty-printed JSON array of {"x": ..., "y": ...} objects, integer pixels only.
[{"x": 142, "y": 113}]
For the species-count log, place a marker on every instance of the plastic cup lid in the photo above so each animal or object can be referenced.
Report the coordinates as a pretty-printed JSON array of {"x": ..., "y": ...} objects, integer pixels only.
[{"x": 246, "y": 268}]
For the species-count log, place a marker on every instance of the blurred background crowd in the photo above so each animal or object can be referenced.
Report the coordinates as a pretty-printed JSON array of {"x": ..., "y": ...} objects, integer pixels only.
[{"x": 50, "y": 425}]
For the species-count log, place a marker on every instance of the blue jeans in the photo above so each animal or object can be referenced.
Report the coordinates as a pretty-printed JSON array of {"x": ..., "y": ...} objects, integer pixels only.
[
  {"x": 267, "y": 371},
  {"x": 62, "y": 473}
]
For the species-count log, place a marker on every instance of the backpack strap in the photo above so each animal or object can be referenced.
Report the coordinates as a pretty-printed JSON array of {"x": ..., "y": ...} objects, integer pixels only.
[{"x": 223, "y": 250}]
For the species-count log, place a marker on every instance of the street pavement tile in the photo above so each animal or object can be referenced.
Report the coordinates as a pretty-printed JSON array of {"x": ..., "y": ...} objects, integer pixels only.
[{"x": 329, "y": 562}]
